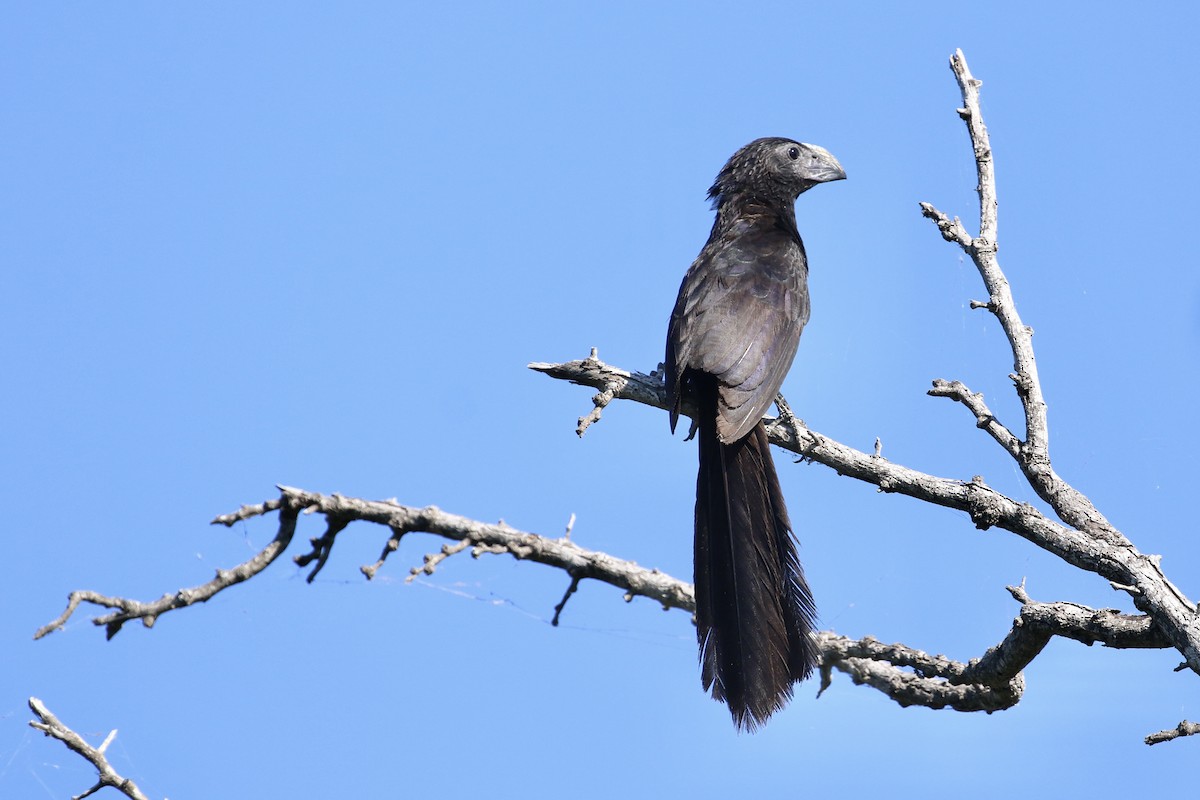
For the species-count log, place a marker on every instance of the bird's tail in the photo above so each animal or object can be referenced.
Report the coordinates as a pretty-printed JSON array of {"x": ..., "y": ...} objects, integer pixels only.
[{"x": 754, "y": 610}]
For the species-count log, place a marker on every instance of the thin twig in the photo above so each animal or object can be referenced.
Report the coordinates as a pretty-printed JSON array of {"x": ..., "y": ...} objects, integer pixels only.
[
  {"x": 149, "y": 613},
  {"x": 984, "y": 418},
  {"x": 431, "y": 560},
  {"x": 571, "y": 589},
  {"x": 50, "y": 725}
]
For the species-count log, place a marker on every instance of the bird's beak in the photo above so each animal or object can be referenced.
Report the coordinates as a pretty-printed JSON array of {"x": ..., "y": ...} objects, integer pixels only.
[{"x": 822, "y": 166}]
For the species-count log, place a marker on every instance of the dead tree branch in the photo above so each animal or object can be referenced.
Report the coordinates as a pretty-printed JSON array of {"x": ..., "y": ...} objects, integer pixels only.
[
  {"x": 1116, "y": 558},
  {"x": 340, "y": 511},
  {"x": 1184, "y": 728},
  {"x": 50, "y": 725},
  {"x": 149, "y": 612},
  {"x": 905, "y": 674}
]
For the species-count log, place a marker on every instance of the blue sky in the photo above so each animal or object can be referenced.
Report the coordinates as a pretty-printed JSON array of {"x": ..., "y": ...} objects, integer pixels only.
[{"x": 317, "y": 244}]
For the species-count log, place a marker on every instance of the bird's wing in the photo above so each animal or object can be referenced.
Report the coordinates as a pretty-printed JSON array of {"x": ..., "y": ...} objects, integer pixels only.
[{"x": 739, "y": 315}]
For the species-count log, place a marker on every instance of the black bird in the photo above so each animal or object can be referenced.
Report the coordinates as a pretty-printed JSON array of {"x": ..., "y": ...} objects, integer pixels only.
[{"x": 732, "y": 337}]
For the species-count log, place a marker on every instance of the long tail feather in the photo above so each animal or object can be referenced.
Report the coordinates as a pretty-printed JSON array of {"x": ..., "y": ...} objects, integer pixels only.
[{"x": 754, "y": 610}]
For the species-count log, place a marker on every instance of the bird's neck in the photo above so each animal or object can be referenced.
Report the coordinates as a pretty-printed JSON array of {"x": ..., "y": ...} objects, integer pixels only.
[{"x": 733, "y": 209}]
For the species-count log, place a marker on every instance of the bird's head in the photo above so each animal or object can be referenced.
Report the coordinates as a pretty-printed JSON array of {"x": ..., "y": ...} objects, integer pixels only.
[{"x": 775, "y": 170}]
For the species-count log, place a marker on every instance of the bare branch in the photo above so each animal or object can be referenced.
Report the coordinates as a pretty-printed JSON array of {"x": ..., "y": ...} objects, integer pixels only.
[
  {"x": 600, "y": 401},
  {"x": 501, "y": 538},
  {"x": 1111, "y": 556},
  {"x": 149, "y": 613},
  {"x": 571, "y": 589},
  {"x": 431, "y": 560},
  {"x": 1184, "y": 728},
  {"x": 986, "y": 506},
  {"x": 984, "y": 165},
  {"x": 323, "y": 546},
  {"x": 1119, "y": 562},
  {"x": 50, "y": 725},
  {"x": 907, "y": 675},
  {"x": 1117, "y": 559},
  {"x": 341, "y": 511},
  {"x": 993, "y": 682},
  {"x": 248, "y": 512},
  {"x": 952, "y": 229},
  {"x": 612, "y": 382},
  {"x": 982, "y": 250},
  {"x": 391, "y": 546},
  {"x": 984, "y": 418},
  {"x": 908, "y": 689},
  {"x": 1039, "y": 622}
]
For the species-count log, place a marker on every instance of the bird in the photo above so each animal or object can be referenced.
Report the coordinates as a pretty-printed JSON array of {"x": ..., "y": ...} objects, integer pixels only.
[{"x": 731, "y": 339}]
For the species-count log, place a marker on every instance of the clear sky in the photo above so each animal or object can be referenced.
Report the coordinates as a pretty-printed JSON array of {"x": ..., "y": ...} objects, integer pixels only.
[{"x": 316, "y": 244}]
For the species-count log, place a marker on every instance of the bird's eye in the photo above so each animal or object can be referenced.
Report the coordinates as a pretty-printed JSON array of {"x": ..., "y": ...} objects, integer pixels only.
[{"x": 793, "y": 153}]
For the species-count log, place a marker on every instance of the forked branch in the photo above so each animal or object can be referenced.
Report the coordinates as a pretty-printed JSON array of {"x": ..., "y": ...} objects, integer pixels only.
[{"x": 50, "y": 725}]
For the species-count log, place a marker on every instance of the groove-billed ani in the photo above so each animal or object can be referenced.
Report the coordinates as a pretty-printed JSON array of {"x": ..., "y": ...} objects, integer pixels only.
[{"x": 732, "y": 338}]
